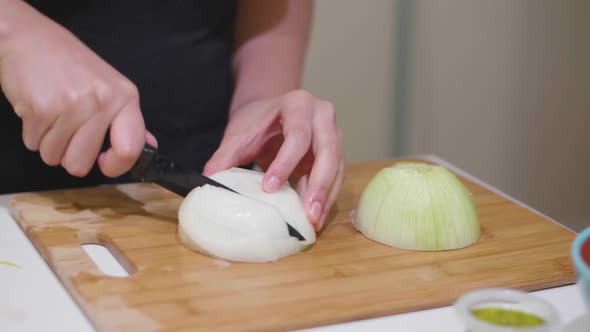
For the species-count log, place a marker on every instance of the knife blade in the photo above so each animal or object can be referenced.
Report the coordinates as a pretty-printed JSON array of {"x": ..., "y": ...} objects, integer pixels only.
[{"x": 154, "y": 167}]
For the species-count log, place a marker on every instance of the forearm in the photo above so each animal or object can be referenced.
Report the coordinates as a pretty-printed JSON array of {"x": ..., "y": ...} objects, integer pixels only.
[{"x": 270, "y": 46}]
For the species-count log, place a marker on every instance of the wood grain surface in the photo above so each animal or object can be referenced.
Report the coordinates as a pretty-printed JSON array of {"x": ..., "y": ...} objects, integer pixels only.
[{"x": 343, "y": 277}]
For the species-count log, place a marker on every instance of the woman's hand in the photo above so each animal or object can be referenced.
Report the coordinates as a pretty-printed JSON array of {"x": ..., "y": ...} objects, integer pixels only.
[
  {"x": 288, "y": 132},
  {"x": 290, "y": 135},
  {"x": 67, "y": 96}
]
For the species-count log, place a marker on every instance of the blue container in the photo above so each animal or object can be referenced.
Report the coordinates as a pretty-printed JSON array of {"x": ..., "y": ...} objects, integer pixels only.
[{"x": 582, "y": 268}]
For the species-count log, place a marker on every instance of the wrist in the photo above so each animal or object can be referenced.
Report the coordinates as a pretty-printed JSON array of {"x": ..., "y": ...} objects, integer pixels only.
[
  {"x": 248, "y": 90},
  {"x": 5, "y": 33},
  {"x": 16, "y": 18}
]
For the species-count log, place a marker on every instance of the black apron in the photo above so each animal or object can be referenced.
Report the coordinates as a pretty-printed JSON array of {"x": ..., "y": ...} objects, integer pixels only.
[{"x": 178, "y": 53}]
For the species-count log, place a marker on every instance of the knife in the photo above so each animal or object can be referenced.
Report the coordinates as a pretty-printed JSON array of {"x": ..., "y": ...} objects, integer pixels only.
[{"x": 154, "y": 167}]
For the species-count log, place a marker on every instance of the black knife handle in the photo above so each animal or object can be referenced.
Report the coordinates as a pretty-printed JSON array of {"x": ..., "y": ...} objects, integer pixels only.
[
  {"x": 142, "y": 167},
  {"x": 152, "y": 167}
]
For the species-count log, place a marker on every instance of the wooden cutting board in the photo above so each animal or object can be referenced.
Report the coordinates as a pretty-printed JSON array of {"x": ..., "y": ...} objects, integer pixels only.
[{"x": 343, "y": 277}]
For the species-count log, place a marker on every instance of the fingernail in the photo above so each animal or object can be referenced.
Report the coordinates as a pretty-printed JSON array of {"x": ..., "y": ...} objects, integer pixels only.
[
  {"x": 316, "y": 210},
  {"x": 151, "y": 139},
  {"x": 101, "y": 157},
  {"x": 272, "y": 184}
]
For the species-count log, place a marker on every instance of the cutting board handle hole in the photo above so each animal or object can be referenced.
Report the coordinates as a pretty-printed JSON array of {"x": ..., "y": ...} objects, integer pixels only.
[{"x": 105, "y": 260}]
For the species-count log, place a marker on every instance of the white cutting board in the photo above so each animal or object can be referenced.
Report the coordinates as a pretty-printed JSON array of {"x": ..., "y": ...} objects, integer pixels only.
[{"x": 31, "y": 298}]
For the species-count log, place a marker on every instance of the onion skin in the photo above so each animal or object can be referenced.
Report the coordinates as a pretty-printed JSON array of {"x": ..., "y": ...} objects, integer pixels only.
[
  {"x": 246, "y": 227},
  {"x": 417, "y": 206}
]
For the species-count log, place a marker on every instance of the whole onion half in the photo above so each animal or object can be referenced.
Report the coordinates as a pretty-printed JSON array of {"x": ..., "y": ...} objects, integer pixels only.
[{"x": 417, "y": 206}]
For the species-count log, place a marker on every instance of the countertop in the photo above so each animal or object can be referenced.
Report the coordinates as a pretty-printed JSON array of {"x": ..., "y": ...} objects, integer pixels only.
[{"x": 32, "y": 299}]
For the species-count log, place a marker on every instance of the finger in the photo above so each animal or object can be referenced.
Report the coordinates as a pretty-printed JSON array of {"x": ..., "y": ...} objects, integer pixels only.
[
  {"x": 228, "y": 154},
  {"x": 84, "y": 146},
  {"x": 20, "y": 109},
  {"x": 234, "y": 150},
  {"x": 54, "y": 143},
  {"x": 223, "y": 157},
  {"x": 301, "y": 187},
  {"x": 35, "y": 124},
  {"x": 151, "y": 139},
  {"x": 296, "y": 117},
  {"x": 127, "y": 141},
  {"x": 328, "y": 154},
  {"x": 334, "y": 191},
  {"x": 243, "y": 143}
]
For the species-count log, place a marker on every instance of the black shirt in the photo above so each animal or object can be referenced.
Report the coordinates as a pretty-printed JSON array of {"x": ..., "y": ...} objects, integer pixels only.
[{"x": 177, "y": 53}]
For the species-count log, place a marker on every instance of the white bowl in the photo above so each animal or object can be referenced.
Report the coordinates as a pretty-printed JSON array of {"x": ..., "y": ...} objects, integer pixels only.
[{"x": 508, "y": 299}]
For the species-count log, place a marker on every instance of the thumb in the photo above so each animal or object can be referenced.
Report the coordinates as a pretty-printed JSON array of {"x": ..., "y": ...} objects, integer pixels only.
[
  {"x": 229, "y": 154},
  {"x": 127, "y": 141}
]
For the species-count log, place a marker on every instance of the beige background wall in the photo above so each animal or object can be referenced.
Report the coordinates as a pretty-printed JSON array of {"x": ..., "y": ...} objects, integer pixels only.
[
  {"x": 350, "y": 63},
  {"x": 500, "y": 88}
]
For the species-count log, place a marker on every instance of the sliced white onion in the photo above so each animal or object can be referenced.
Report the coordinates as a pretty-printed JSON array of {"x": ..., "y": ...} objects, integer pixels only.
[
  {"x": 417, "y": 206},
  {"x": 246, "y": 227}
]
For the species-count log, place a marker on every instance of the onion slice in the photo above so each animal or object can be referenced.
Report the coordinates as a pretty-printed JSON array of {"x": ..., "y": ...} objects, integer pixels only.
[
  {"x": 246, "y": 227},
  {"x": 417, "y": 206}
]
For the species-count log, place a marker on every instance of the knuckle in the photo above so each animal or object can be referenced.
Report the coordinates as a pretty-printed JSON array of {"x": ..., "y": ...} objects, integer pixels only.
[
  {"x": 75, "y": 99},
  {"x": 30, "y": 142},
  {"x": 129, "y": 90},
  {"x": 321, "y": 187},
  {"x": 301, "y": 135},
  {"x": 328, "y": 111},
  {"x": 21, "y": 109},
  {"x": 116, "y": 94},
  {"x": 43, "y": 107},
  {"x": 49, "y": 158},
  {"x": 327, "y": 105},
  {"x": 298, "y": 97},
  {"x": 72, "y": 96},
  {"x": 76, "y": 169},
  {"x": 333, "y": 151},
  {"x": 128, "y": 152},
  {"x": 104, "y": 93},
  {"x": 279, "y": 169}
]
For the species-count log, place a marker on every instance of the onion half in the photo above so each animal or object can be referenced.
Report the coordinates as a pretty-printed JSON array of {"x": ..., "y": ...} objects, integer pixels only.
[
  {"x": 417, "y": 206},
  {"x": 245, "y": 227}
]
